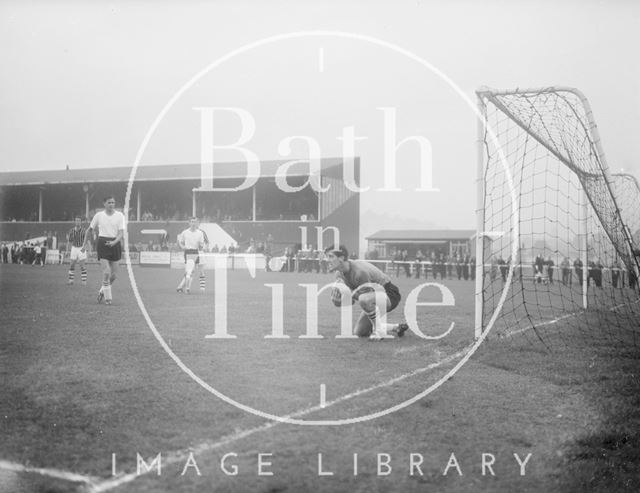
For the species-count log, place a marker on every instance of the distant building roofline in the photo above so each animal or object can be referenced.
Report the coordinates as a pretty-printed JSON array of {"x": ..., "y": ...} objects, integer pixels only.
[{"x": 144, "y": 173}]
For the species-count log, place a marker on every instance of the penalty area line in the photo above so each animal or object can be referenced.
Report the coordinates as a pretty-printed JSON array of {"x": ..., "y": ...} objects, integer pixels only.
[
  {"x": 49, "y": 472},
  {"x": 182, "y": 455}
]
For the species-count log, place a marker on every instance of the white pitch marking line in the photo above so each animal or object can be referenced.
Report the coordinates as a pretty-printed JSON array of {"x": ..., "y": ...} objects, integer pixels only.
[
  {"x": 182, "y": 455},
  {"x": 613, "y": 309},
  {"x": 542, "y": 324},
  {"x": 568, "y": 315},
  {"x": 323, "y": 395},
  {"x": 51, "y": 473},
  {"x": 321, "y": 59}
]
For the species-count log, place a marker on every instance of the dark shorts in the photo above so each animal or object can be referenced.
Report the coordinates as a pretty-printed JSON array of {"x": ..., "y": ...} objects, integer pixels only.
[
  {"x": 112, "y": 254},
  {"x": 393, "y": 294},
  {"x": 191, "y": 253}
]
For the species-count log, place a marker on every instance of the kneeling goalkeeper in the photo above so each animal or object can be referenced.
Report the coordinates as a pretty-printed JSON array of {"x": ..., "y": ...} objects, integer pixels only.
[{"x": 366, "y": 283}]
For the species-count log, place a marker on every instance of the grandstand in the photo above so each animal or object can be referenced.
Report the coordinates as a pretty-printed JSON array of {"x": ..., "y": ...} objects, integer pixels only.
[{"x": 164, "y": 196}]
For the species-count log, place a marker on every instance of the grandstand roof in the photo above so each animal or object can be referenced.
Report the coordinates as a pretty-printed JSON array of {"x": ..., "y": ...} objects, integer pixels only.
[
  {"x": 422, "y": 235},
  {"x": 161, "y": 172}
]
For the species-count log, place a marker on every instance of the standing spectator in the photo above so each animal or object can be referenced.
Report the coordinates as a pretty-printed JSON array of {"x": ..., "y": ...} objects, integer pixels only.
[
  {"x": 550, "y": 266},
  {"x": 435, "y": 269},
  {"x": 577, "y": 265},
  {"x": 465, "y": 267},
  {"x": 397, "y": 258},
  {"x": 615, "y": 274},
  {"x": 299, "y": 260},
  {"x": 504, "y": 269},
  {"x": 418, "y": 264},
  {"x": 252, "y": 246},
  {"x": 565, "y": 267},
  {"x": 164, "y": 241},
  {"x": 26, "y": 253},
  {"x": 5, "y": 253},
  {"x": 268, "y": 248},
  {"x": 493, "y": 269},
  {"x": 308, "y": 260},
  {"x": 459, "y": 266},
  {"x": 269, "y": 244},
  {"x": 290, "y": 263},
  {"x": 43, "y": 251},
  {"x": 322, "y": 258},
  {"x": 591, "y": 272},
  {"x": 449, "y": 262},
  {"x": 538, "y": 268},
  {"x": 472, "y": 268},
  {"x": 316, "y": 261},
  {"x": 598, "y": 273},
  {"x": 405, "y": 263}
]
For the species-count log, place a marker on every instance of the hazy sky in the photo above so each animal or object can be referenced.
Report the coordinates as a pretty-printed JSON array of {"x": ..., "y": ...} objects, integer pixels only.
[{"x": 82, "y": 82}]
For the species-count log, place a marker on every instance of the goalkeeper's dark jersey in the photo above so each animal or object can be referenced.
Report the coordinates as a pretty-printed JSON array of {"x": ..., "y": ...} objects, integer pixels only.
[{"x": 361, "y": 272}]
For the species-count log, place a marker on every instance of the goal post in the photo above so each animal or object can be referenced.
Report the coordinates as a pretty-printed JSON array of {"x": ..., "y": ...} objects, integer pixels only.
[
  {"x": 541, "y": 148},
  {"x": 479, "y": 216}
]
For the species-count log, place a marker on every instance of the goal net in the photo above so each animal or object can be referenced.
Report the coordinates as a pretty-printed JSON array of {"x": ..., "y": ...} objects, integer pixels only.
[
  {"x": 555, "y": 228},
  {"x": 626, "y": 190}
]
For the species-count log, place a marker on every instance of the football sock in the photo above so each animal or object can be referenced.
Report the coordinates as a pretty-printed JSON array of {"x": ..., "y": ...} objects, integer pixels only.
[
  {"x": 379, "y": 328},
  {"x": 182, "y": 282},
  {"x": 203, "y": 282},
  {"x": 106, "y": 290},
  {"x": 71, "y": 276},
  {"x": 83, "y": 275},
  {"x": 189, "y": 279}
]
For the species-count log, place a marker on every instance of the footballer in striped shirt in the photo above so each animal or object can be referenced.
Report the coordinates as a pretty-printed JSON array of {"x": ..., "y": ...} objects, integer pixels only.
[{"x": 75, "y": 245}]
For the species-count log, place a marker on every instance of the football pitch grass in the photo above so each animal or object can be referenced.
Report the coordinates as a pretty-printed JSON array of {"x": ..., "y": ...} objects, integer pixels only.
[{"x": 82, "y": 382}]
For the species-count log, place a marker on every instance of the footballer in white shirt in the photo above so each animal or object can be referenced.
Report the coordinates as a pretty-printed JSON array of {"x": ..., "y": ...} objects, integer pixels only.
[
  {"x": 110, "y": 224},
  {"x": 192, "y": 240}
]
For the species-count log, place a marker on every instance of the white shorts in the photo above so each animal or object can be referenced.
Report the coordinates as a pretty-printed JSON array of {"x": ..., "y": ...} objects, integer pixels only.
[{"x": 77, "y": 254}]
